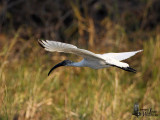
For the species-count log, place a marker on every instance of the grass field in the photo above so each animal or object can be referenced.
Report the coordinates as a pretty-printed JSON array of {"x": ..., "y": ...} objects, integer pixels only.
[
  {"x": 26, "y": 92},
  {"x": 70, "y": 93}
]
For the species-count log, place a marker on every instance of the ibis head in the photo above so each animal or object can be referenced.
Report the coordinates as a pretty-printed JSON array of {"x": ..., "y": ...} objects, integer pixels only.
[{"x": 63, "y": 63}]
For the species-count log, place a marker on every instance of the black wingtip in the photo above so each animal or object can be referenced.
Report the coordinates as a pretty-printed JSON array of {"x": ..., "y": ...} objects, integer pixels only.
[{"x": 40, "y": 43}]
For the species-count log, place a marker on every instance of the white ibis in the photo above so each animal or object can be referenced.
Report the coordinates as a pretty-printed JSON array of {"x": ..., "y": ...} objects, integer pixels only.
[{"x": 92, "y": 60}]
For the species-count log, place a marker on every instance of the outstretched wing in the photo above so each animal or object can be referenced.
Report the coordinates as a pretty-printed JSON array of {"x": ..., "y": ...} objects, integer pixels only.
[
  {"x": 120, "y": 56},
  {"x": 54, "y": 46}
]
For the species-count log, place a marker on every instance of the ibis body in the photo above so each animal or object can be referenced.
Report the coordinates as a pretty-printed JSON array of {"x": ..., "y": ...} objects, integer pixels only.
[{"x": 92, "y": 60}]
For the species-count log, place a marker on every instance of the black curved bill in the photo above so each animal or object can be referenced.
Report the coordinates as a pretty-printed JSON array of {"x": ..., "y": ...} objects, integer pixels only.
[{"x": 56, "y": 66}]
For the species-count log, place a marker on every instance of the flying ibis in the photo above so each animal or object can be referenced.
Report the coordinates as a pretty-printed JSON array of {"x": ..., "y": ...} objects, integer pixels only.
[{"x": 90, "y": 59}]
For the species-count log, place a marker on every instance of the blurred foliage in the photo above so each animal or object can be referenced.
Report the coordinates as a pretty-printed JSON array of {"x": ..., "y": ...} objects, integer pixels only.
[
  {"x": 67, "y": 20},
  {"x": 26, "y": 92}
]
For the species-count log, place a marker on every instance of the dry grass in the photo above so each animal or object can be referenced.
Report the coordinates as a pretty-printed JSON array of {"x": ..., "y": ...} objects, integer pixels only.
[
  {"x": 27, "y": 93},
  {"x": 74, "y": 93}
]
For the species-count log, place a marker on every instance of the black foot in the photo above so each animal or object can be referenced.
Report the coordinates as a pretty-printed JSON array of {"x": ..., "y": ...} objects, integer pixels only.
[{"x": 129, "y": 69}]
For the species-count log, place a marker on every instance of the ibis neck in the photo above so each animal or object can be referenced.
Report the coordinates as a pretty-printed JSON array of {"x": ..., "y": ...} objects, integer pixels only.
[{"x": 77, "y": 64}]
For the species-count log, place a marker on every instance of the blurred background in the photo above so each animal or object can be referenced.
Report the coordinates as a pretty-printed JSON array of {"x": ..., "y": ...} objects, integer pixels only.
[{"x": 69, "y": 93}]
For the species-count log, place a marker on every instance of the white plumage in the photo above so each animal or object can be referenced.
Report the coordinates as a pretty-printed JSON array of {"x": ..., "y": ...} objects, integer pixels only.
[
  {"x": 92, "y": 60},
  {"x": 121, "y": 56}
]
